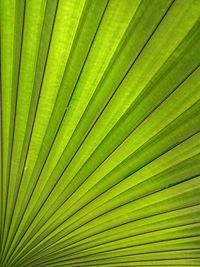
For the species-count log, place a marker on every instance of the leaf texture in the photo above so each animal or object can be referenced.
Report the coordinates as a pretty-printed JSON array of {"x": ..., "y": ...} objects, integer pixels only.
[{"x": 100, "y": 133}]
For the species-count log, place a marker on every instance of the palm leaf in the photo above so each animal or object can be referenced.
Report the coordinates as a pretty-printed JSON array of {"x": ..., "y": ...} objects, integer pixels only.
[{"x": 100, "y": 133}]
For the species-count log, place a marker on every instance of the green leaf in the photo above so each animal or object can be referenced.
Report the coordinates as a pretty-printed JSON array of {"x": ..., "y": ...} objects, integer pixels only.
[{"x": 99, "y": 133}]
